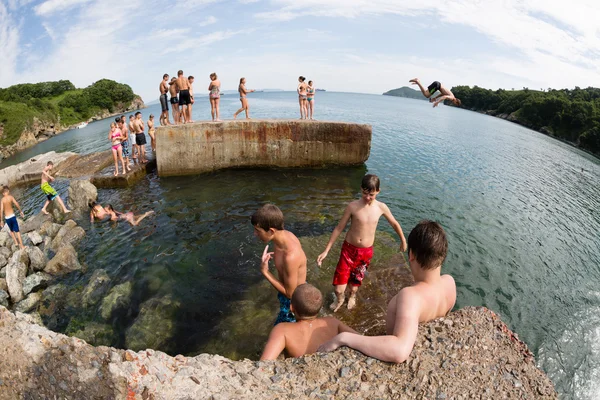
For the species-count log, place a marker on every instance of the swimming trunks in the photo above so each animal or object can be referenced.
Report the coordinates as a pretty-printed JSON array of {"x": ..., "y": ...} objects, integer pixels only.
[
  {"x": 12, "y": 223},
  {"x": 352, "y": 265},
  {"x": 140, "y": 139},
  {"x": 174, "y": 100},
  {"x": 48, "y": 191},
  {"x": 434, "y": 87},
  {"x": 164, "y": 104},
  {"x": 184, "y": 98},
  {"x": 285, "y": 314},
  {"x": 125, "y": 145}
]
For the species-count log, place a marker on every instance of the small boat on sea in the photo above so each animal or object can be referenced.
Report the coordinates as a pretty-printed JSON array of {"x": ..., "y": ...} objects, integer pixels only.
[{"x": 82, "y": 125}]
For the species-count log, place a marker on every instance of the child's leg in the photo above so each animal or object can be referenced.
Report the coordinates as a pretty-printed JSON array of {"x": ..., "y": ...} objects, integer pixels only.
[
  {"x": 352, "y": 299},
  {"x": 416, "y": 81},
  {"x": 135, "y": 221},
  {"x": 20, "y": 240},
  {"x": 339, "y": 297},
  {"x": 44, "y": 208},
  {"x": 62, "y": 205}
]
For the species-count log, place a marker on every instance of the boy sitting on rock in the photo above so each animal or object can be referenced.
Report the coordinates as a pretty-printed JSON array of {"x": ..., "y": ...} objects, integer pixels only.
[
  {"x": 309, "y": 332},
  {"x": 432, "y": 296}
]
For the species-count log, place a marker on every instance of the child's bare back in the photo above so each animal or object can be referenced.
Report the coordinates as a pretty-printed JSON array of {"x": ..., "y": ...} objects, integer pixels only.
[{"x": 7, "y": 202}]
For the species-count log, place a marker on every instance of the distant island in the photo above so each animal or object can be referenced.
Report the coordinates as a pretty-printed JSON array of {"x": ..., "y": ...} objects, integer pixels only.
[
  {"x": 32, "y": 112},
  {"x": 407, "y": 92}
]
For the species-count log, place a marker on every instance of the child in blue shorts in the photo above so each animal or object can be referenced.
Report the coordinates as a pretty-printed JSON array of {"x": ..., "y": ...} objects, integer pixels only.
[{"x": 6, "y": 210}]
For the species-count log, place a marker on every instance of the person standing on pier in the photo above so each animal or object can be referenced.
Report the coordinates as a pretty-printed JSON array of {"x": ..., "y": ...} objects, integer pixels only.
[
  {"x": 243, "y": 93},
  {"x": 151, "y": 132},
  {"x": 302, "y": 97},
  {"x": 164, "y": 102},
  {"x": 140, "y": 138},
  {"x": 174, "y": 100},
  {"x": 134, "y": 146},
  {"x": 310, "y": 99},
  {"x": 290, "y": 260},
  {"x": 184, "y": 96},
  {"x": 191, "y": 82},
  {"x": 214, "y": 96},
  {"x": 125, "y": 142}
]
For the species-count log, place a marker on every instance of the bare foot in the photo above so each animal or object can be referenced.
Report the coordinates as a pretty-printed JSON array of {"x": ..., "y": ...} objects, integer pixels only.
[
  {"x": 21, "y": 246},
  {"x": 45, "y": 212},
  {"x": 66, "y": 211},
  {"x": 414, "y": 80},
  {"x": 337, "y": 303},
  {"x": 248, "y": 118},
  {"x": 128, "y": 168},
  {"x": 351, "y": 302},
  {"x": 219, "y": 120},
  {"x": 116, "y": 173},
  {"x": 234, "y": 116}
]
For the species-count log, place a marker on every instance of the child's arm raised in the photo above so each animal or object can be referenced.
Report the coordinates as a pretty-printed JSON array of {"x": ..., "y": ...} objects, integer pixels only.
[
  {"x": 275, "y": 344},
  {"x": 395, "y": 224},
  {"x": 336, "y": 232}
]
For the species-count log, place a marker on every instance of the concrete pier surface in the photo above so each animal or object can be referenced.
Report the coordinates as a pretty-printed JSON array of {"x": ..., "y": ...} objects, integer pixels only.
[{"x": 208, "y": 146}]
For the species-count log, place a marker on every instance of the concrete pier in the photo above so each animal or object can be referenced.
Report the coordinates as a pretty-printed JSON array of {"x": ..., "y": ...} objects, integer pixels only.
[{"x": 208, "y": 146}]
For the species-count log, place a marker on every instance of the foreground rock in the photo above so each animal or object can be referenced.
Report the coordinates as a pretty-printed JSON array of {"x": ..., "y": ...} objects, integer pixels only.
[{"x": 470, "y": 354}]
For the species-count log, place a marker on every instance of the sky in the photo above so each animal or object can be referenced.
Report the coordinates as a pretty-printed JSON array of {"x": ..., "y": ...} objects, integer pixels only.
[{"x": 367, "y": 46}]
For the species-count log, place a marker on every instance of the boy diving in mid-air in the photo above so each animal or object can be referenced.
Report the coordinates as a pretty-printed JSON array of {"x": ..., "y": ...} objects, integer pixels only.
[{"x": 445, "y": 94}]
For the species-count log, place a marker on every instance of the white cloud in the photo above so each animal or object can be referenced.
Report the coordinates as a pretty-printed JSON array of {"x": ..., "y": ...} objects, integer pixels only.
[
  {"x": 9, "y": 47},
  {"x": 50, "y": 7},
  {"x": 208, "y": 21},
  {"x": 200, "y": 41}
]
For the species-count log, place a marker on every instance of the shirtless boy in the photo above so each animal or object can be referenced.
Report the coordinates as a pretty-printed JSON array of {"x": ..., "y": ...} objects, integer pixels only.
[
  {"x": 49, "y": 190},
  {"x": 445, "y": 94},
  {"x": 432, "y": 296},
  {"x": 357, "y": 249},
  {"x": 140, "y": 137},
  {"x": 131, "y": 129},
  {"x": 309, "y": 332},
  {"x": 184, "y": 96},
  {"x": 164, "y": 103},
  {"x": 6, "y": 210},
  {"x": 191, "y": 82},
  {"x": 174, "y": 100},
  {"x": 290, "y": 260},
  {"x": 124, "y": 143}
]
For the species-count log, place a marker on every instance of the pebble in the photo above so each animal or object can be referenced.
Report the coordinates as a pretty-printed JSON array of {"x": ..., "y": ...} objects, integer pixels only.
[
  {"x": 344, "y": 372},
  {"x": 276, "y": 378}
]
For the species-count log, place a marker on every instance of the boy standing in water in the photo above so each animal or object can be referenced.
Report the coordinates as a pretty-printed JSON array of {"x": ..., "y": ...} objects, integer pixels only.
[
  {"x": 432, "y": 296},
  {"x": 49, "y": 190},
  {"x": 306, "y": 335},
  {"x": 445, "y": 94},
  {"x": 357, "y": 249},
  {"x": 7, "y": 211},
  {"x": 290, "y": 260}
]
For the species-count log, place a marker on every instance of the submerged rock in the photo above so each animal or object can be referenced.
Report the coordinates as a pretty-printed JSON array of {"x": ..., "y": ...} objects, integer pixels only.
[
  {"x": 64, "y": 261},
  {"x": 15, "y": 275},
  {"x": 154, "y": 325},
  {"x": 119, "y": 297},
  {"x": 36, "y": 282},
  {"x": 97, "y": 334},
  {"x": 96, "y": 288},
  {"x": 29, "y": 303}
]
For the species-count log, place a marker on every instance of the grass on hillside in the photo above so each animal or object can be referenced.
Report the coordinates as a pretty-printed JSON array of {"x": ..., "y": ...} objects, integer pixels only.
[{"x": 16, "y": 117}]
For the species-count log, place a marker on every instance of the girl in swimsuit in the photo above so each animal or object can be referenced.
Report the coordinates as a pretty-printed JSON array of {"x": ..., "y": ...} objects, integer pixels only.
[
  {"x": 243, "y": 92},
  {"x": 151, "y": 132},
  {"x": 116, "y": 136},
  {"x": 214, "y": 96},
  {"x": 302, "y": 97},
  {"x": 97, "y": 212},
  {"x": 310, "y": 90},
  {"x": 128, "y": 216}
]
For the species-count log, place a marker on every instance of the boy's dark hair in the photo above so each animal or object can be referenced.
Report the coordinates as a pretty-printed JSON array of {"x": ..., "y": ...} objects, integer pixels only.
[
  {"x": 92, "y": 204},
  {"x": 307, "y": 301},
  {"x": 4, "y": 189},
  {"x": 138, "y": 113},
  {"x": 50, "y": 163},
  {"x": 370, "y": 182},
  {"x": 165, "y": 76},
  {"x": 118, "y": 119},
  {"x": 428, "y": 244},
  {"x": 180, "y": 72},
  {"x": 190, "y": 77},
  {"x": 131, "y": 116},
  {"x": 268, "y": 216}
]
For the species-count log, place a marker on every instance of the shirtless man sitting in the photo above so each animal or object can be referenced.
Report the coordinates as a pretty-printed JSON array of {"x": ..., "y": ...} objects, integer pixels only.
[
  {"x": 309, "y": 332},
  {"x": 445, "y": 94},
  {"x": 432, "y": 296},
  {"x": 290, "y": 260},
  {"x": 183, "y": 85}
]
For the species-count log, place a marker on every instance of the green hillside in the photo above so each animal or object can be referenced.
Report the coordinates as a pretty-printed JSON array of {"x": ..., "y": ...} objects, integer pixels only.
[
  {"x": 57, "y": 101},
  {"x": 407, "y": 92}
]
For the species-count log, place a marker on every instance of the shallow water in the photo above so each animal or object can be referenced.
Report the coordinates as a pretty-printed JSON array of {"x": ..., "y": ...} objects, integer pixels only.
[{"x": 521, "y": 216}]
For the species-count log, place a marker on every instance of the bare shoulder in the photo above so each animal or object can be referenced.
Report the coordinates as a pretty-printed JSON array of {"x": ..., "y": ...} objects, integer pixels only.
[
  {"x": 353, "y": 205},
  {"x": 382, "y": 206}
]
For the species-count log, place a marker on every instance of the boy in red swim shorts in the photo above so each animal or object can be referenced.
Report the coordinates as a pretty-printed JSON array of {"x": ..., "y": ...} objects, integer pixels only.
[{"x": 357, "y": 249}]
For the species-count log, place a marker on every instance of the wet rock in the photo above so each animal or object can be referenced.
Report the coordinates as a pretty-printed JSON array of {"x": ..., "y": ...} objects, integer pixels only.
[
  {"x": 5, "y": 252},
  {"x": 35, "y": 238},
  {"x": 21, "y": 256},
  {"x": 81, "y": 192},
  {"x": 3, "y": 298},
  {"x": 49, "y": 228},
  {"x": 15, "y": 275},
  {"x": 96, "y": 288},
  {"x": 3, "y": 272},
  {"x": 35, "y": 282},
  {"x": 29, "y": 303},
  {"x": 70, "y": 233},
  {"x": 3, "y": 259},
  {"x": 5, "y": 238},
  {"x": 3, "y": 285},
  {"x": 96, "y": 334},
  {"x": 37, "y": 259},
  {"x": 154, "y": 326},
  {"x": 34, "y": 223},
  {"x": 64, "y": 261},
  {"x": 119, "y": 297}
]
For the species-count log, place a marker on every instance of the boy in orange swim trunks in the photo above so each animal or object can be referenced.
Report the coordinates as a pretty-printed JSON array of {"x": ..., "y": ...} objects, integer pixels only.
[{"x": 357, "y": 249}]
